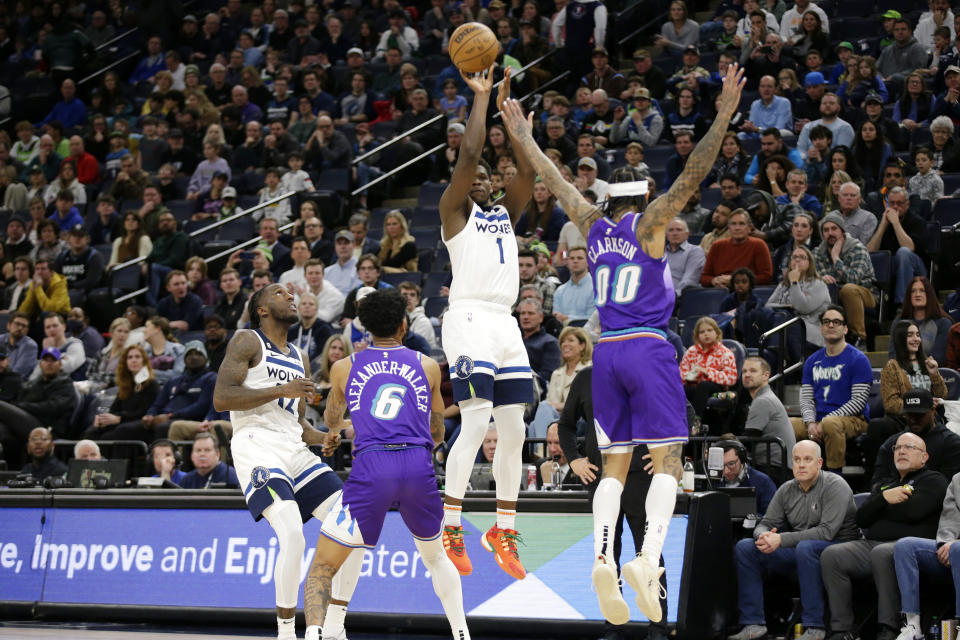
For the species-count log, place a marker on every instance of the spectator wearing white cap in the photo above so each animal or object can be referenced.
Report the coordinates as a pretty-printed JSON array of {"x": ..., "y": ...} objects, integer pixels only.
[
  {"x": 587, "y": 179},
  {"x": 447, "y": 159},
  {"x": 948, "y": 102}
]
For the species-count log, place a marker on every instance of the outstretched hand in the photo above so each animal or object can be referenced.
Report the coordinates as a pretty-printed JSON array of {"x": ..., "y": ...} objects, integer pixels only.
[
  {"x": 516, "y": 123},
  {"x": 481, "y": 82},
  {"x": 732, "y": 87},
  {"x": 504, "y": 94}
]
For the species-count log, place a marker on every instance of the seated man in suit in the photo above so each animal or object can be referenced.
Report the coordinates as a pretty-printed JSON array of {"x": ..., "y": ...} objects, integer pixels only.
[
  {"x": 208, "y": 468},
  {"x": 565, "y": 475}
]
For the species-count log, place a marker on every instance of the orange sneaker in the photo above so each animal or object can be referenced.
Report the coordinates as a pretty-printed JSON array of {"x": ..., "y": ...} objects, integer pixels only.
[
  {"x": 503, "y": 544},
  {"x": 453, "y": 544}
]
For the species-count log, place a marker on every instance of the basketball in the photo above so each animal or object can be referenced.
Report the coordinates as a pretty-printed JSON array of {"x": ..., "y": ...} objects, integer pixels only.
[{"x": 473, "y": 47}]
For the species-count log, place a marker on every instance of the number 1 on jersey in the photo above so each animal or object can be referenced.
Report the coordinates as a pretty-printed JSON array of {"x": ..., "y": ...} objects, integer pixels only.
[{"x": 500, "y": 245}]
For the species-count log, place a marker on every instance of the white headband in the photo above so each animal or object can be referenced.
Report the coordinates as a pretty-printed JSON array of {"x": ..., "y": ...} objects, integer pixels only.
[{"x": 621, "y": 189}]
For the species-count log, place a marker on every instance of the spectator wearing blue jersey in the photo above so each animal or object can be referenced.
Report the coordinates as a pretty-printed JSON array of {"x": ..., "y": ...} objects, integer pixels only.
[
  {"x": 71, "y": 111},
  {"x": 152, "y": 64},
  {"x": 835, "y": 388}
]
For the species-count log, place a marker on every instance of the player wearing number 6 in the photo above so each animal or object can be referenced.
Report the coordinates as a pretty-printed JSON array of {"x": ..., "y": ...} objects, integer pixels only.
[
  {"x": 393, "y": 395},
  {"x": 263, "y": 382},
  {"x": 489, "y": 367},
  {"x": 634, "y": 295}
]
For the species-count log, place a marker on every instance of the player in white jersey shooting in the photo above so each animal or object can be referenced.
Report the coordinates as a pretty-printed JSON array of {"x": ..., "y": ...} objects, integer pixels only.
[
  {"x": 489, "y": 367},
  {"x": 634, "y": 296},
  {"x": 264, "y": 382}
]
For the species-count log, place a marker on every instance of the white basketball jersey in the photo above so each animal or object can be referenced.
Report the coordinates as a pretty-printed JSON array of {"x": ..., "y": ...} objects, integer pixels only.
[
  {"x": 483, "y": 257},
  {"x": 275, "y": 368}
]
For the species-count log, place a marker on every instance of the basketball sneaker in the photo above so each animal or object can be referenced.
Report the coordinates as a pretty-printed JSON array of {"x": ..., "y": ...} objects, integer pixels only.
[
  {"x": 645, "y": 580},
  {"x": 503, "y": 544},
  {"x": 453, "y": 544},
  {"x": 607, "y": 585}
]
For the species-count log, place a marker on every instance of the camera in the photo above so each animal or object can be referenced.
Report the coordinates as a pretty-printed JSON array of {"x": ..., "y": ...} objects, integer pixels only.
[
  {"x": 766, "y": 49},
  {"x": 247, "y": 255}
]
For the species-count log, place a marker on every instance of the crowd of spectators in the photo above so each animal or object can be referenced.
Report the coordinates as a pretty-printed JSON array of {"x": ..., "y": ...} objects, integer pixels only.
[{"x": 841, "y": 150}]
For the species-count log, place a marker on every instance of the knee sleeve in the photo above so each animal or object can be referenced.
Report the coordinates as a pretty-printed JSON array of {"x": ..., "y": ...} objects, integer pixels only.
[
  {"x": 474, "y": 420},
  {"x": 345, "y": 580},
  {"x": 324, "y": 507},
  {"x": 284, "y": 517},
  {"x": 508, "y": 458}
]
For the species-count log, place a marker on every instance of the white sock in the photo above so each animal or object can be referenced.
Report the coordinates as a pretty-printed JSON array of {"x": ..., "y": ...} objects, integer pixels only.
[
  {"x": 661, "y": 499},
  {"x": 333, "y": 621},
  {"x": 286, "y": 628},
  {"x": 313, "y": 633},
  {"x": 914, "y": 619},
  {"x": 446, "y": 584},
  {"x": 451, "y": 514},
  {"x": 606, "y": 508},
  {"x": 506, "y": 518},
  {"x": 508, "y": 458},
  {"x": 474, "y": 420}
]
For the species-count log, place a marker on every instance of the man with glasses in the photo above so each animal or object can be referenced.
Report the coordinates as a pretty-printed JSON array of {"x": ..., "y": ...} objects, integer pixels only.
[
  {"x": 737, "y": 472},
  {"x": 931, "y": 556},
  {"x": 319, "y": 248},
  {"x": 835, "y": 388},
  {"x": 909, "y": 506},
  {"x": 903, "y": 234},
  {"x": 806, "y": 516}
]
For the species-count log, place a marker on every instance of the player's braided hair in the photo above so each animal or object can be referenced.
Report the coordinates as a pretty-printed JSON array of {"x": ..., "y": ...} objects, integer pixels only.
[
  {"x": 625, "y": 203},
  {"x": 382, "y": 312},
  {"x": 252, "y": 308}
]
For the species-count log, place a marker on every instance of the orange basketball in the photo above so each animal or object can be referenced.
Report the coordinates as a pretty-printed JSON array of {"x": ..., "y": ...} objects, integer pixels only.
[{"x": 473, "y": 47}]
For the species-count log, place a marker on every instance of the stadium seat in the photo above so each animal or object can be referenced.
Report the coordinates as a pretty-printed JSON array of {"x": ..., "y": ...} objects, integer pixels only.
[
  {"x": 657, "y": 156},
  {"x": 951, "y": 182},
  {"x": 952, "y": 378},
  {"x": 125, "y": 280},
  {"x": 875, "y": 401},
  {"x": 432, "y": 283},
  {"x": 425, "y": 260},
  {"x": 933, "y": 245},
  {"x": 433, "y": 307},
  {"x": 183, "y": 210},
  {"x": 698, "y": 302},
  {"x": 394, "y": 279},
  {"x": 739, "y": 352},
  {"x": 947, "y": 211},
  {"x": 333, "y": 180},
  {"x": 193, "y": 226},
  {"x": 237, "y": 230},
  {"x": 425, "y": 217},
  {"x": 853, "y": 29},
  {"x": 430, "y": 194},
  {"x": 441, "y": 260},
  {"x": 428, "y": 238},
  {"x": 763, "y": 293},
  {"x": 710, "y": 198}
]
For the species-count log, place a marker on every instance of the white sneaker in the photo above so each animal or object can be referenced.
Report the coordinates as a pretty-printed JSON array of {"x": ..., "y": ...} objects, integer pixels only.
[
  {"x": 910, "y": 632},
  {"x": 340, "y": 636},
  {"x": 645, "y": 580},
  {"x": 612, "y": 605}
]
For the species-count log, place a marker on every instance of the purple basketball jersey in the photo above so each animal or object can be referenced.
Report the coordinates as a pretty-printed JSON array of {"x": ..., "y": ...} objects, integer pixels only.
[
  {"x": 389, "y": 398},
  {"x": 631, "y": 289}
]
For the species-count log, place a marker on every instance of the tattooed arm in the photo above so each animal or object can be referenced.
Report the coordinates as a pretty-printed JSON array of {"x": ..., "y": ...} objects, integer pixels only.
[
  {"x": 432, "y": 369},
  {"x": 581, "y": 212},
  {"x": 229, "y": 394},
  {"x": 651, "y": 231}
]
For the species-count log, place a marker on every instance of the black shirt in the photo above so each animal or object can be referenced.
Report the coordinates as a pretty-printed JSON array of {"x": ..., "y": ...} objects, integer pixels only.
[{"x": 916, "y": 228}]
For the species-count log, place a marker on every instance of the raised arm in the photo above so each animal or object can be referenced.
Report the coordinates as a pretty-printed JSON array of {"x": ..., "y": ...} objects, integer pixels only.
[
  {"x": 230, "y": 394},
  {"x": 581, "y": 212},
  {"x": 454, "y": 198},
  {"x": 520, "y": 189},
  {"x": 652, "y": 227}
]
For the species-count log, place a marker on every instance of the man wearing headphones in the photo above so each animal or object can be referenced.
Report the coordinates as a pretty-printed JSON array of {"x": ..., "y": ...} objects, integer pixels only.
[
  {"x": 737, "y": 472},
  {"x": 166, "y": 461}
]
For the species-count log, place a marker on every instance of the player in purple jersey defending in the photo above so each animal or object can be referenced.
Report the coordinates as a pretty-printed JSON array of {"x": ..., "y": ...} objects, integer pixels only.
[
  {"x": 489, "y": 368},
  {"x": 396, "y": 408},
  {"x": 634, "y": 297}
]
